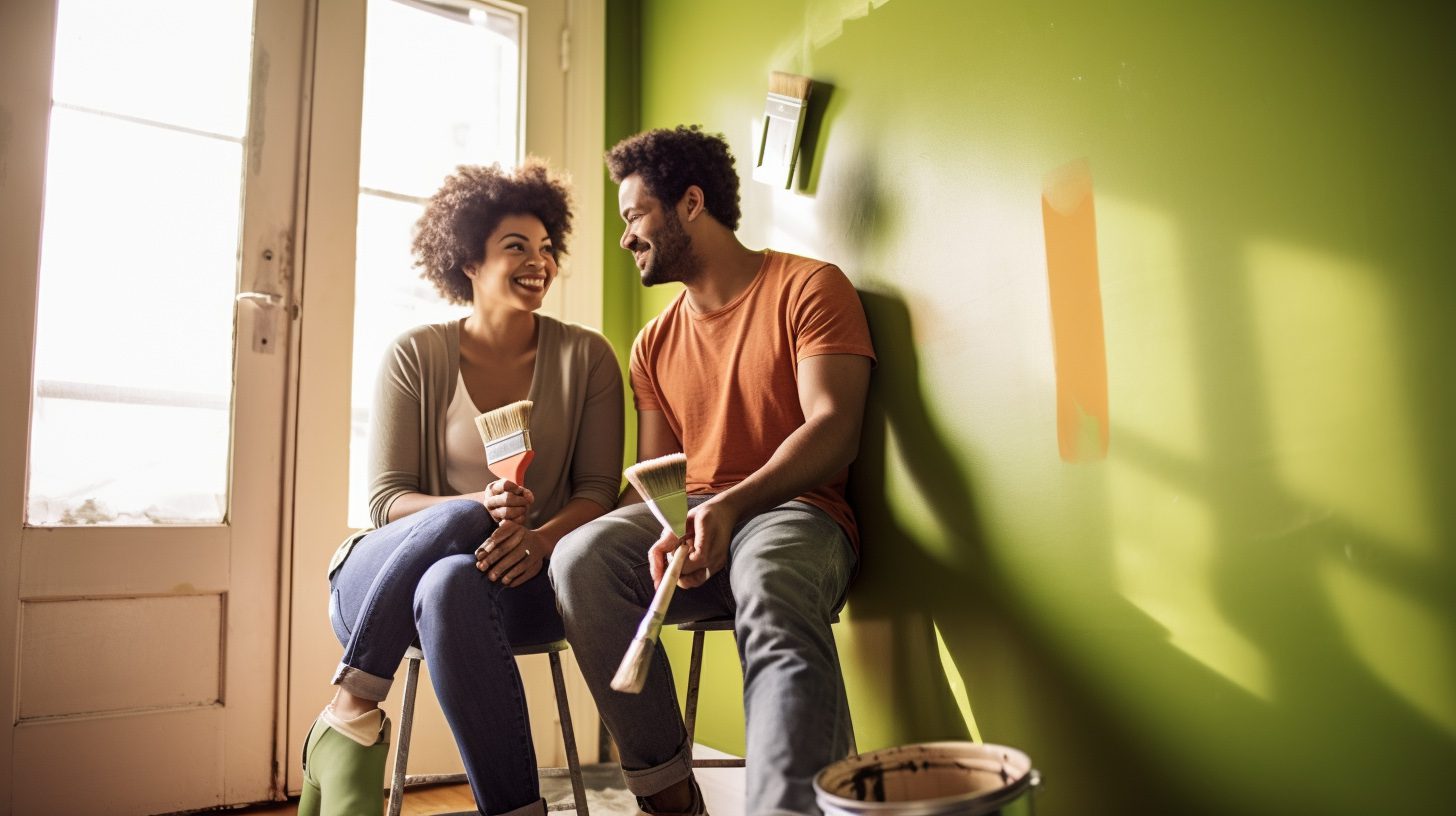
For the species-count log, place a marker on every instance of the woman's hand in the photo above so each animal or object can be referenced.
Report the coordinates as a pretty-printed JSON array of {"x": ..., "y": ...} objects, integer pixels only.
[
  {"x": 507, "y": 500},
  {"x": 512, "y": 555}
]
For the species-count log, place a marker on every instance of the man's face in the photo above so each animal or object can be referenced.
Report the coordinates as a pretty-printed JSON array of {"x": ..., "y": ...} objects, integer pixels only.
[{"x": 655, "y": 236}]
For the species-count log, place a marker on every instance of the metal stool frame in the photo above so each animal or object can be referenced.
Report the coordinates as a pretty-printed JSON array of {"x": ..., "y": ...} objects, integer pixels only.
[
  {"x": 413, "y": 656},
  {"x": 695, "y": 671}
]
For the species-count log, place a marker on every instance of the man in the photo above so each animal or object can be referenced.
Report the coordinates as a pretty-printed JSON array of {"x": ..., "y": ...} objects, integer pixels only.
[{"x": 758, "y": 372}]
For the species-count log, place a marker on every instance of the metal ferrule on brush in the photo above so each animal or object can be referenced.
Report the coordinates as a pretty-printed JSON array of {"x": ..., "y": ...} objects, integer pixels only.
[
  {"x": 648, "y": 628},
  {"x": 508, "y": 446}
]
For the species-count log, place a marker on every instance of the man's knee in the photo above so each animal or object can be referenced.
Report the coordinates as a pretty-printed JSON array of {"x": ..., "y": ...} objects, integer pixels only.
[
  {"x": 575, "y": 557},
  {"x": 597, "y": 560}
]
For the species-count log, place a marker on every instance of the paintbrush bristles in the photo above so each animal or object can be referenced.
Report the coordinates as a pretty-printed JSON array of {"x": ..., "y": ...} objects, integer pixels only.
[
  {"x": 790, "y": 85},
  {"x": 662, "y": 483},
  {"x": 660, "y": 476},
  {"x": 505, "y": 420},
  {"x": 631, "y": 676}
]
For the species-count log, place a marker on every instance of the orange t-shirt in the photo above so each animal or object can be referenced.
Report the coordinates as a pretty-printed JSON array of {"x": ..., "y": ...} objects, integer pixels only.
[{"x": 727, "y": 380}]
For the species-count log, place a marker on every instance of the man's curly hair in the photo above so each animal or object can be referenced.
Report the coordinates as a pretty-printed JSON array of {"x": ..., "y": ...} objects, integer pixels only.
[
  {"x": 450, "y": 236},
  {"x": 669, "y": 161}
]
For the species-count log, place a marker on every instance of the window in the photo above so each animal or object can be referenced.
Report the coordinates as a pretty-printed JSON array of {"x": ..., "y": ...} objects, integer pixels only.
[
  {"x": 442, "y": 87},
  {"x": 139, "y": 262}
]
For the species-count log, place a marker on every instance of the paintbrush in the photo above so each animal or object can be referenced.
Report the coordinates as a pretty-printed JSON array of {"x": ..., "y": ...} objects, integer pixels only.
[
  {"x": 662, "y": 483},
  {"x": 783, "y": 125},
  {"x": 506, "y": 432}
]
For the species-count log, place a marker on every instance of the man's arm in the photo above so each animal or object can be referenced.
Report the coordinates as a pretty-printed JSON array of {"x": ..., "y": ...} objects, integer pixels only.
[{"x": 832, "y": 389}]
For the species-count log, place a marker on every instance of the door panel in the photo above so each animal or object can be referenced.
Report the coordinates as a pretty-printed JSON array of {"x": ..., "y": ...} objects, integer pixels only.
[{"x": 141, "y": 635}]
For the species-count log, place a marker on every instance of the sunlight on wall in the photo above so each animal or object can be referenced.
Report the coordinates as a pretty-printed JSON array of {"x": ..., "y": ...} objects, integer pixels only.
[
  {"x": 1164, "y": 548},
  {"x": 1336, "y": 392},
  {"x": 823, "y": 24},
  {"x": 792, "y": 220},
  {"x": 1151, "y": 379},
  {"x": 1401, "y": 642},
  {"x": 957, "y": 685}
]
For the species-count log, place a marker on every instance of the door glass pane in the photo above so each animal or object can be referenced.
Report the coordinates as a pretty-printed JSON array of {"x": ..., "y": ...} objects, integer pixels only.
[
  {"x": 441, "y": 88},
  {"x": 139, "y": 263}
]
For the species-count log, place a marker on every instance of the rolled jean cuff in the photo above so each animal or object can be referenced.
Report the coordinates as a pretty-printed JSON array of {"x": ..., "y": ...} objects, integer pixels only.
[
  {"x": 536, "y": 808},
  {"x": 658, "y": 778},
  {"x": 361, "y": 683}
]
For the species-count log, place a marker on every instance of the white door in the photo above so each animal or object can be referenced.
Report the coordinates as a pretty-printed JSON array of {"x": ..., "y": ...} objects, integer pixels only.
[
  {"x": 148, "y": 153},
  {"x": 403, "y": 92}
]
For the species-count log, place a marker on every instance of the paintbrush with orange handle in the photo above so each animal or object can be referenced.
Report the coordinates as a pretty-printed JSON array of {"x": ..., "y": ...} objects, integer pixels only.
[{"x": 506, "y": 432}]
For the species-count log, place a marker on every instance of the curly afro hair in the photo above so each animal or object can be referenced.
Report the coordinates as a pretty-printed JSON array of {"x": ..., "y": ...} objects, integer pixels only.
[
  {"x": 669, "y": 161},
  {"x": 450, "y": 236}
]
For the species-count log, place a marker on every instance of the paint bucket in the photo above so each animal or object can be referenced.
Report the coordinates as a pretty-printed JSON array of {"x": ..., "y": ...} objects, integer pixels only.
[{"x": 927, "y": 779}]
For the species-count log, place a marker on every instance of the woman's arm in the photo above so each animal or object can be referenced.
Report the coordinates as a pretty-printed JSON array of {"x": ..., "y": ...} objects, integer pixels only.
[{"x": 394, "y": 433}]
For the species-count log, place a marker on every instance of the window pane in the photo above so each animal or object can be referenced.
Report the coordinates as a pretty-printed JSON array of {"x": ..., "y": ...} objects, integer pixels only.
[
  {"x": 130, "y": 58},
  {"x": 441, "y": 88},
  {"x": 134, "y": 338}
]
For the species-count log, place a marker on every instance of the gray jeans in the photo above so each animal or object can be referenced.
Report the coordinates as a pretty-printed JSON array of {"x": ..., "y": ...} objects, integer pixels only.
[{"x": 787, "y": 573}]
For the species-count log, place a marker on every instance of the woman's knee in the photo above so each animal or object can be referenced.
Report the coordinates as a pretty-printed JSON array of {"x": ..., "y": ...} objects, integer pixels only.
[
  {"x": 451, "y": 588},
  {"x": 462, "y": 516}
]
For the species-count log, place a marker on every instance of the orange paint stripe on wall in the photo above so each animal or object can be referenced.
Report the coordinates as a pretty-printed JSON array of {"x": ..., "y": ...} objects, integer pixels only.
[{"x": 1076, "y": 306}]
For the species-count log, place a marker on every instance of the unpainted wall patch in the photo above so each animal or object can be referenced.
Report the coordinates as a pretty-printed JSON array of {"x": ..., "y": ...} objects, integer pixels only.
[{"x": 1078, "y": 343}]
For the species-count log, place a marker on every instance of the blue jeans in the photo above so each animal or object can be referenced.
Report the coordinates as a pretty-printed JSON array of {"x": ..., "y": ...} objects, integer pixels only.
[
  {"x": 415, "y": 580},
  {"x": 787, "y": 572}
]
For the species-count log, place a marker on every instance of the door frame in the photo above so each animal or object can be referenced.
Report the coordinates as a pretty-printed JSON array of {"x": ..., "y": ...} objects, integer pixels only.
[{"x": 25, "y": 100}]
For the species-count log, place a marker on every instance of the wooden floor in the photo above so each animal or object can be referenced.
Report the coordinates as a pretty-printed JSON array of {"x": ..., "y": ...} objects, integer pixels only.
[
  {"x": 424, "y": 801},
  {"x": 722, "y": 792}
]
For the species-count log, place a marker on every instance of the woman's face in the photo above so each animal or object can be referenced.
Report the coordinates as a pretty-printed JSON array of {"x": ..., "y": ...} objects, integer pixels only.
[{"x": 518, "y": 267}]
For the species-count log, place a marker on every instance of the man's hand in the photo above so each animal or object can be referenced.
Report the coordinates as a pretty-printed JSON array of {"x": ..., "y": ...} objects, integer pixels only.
[
  {"x": 507, "y": 500},
  {"x": 709, "y": 535}
]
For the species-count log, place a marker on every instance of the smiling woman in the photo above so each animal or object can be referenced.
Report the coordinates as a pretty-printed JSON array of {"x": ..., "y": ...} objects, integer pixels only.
[{"x": 453, "y": 546}]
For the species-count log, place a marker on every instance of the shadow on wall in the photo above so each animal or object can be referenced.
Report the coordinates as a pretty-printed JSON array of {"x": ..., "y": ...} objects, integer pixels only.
[{"x": 908, "y": 587}]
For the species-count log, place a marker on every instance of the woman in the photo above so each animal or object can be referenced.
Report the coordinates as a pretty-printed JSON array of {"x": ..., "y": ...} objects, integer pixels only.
[{"x": 456, "y": 561}]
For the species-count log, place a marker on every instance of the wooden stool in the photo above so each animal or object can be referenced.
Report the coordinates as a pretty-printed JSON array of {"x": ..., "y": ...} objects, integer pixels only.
[
  {"x": 407, "y": 714},
  {"x": 695, "y": 671}
]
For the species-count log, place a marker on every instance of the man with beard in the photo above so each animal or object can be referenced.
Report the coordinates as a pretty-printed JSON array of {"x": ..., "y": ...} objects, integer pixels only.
[{"x": 757, "y": 371}]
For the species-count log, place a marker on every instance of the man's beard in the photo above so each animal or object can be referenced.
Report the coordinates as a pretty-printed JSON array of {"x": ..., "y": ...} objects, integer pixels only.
[{"x": 672, "y": 257}]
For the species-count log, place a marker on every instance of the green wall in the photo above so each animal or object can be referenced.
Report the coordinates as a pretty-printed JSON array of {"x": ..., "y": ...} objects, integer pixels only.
[{"x": 1248, "y": 604}]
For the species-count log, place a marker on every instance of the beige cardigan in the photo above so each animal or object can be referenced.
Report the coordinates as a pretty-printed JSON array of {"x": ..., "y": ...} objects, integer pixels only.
[{"x": 576, "y": 423}]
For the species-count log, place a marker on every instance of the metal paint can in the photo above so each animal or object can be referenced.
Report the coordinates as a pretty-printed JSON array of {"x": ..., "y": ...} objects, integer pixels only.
[{"x": 927, "y": 779}]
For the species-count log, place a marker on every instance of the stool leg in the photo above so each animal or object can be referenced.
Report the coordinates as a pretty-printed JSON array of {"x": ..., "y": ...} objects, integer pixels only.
[
  {"x": 695, "y": 670},
  {"x": 402, "y": 739},
  {"x": 568, "y": 734}
]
